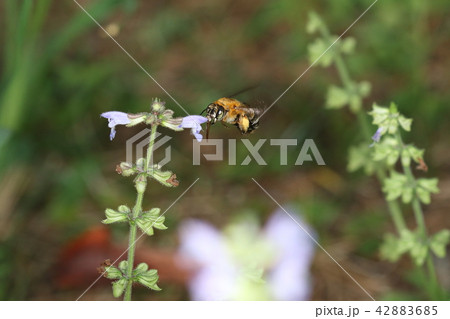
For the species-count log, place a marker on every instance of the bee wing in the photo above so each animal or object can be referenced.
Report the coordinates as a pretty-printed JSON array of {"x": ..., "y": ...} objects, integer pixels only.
[{"x": 249, "y": 110}]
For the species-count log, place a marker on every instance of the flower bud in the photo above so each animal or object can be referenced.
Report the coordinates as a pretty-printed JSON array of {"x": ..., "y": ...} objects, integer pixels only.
[
  {"x": 142, "y": 267},
  {"x": 140, "y": 164},
  {"x": 124, "y": 209},
  {"x": 126, "y": 169},
  {"x": 140, "y": 183},
  {"x": 113, "y": 273},
  {"x": 158, "y": 106},
  {"x": 167, "y": 178},
  {"x": 123, "y": 265},
  {"x": 118, "y": 287}
]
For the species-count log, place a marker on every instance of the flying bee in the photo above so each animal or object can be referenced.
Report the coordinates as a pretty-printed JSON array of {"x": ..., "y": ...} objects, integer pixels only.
[{"x": 234, "y": 112}]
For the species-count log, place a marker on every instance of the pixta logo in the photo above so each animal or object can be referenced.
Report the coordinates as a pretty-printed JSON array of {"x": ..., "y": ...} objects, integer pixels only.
[
  {"x": 308, "y": 152},
  {"x": 135, "y": 146}
]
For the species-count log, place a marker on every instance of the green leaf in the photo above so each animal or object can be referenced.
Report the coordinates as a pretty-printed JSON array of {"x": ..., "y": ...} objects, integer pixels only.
[
  {"x": 419, "y": 252},
  {"x": 113, "y": 272},
  {"x": 364, "y": 88},
  {"x": 124, "y": 209},
  {"x": 407, "y": 195},
  {"x": 317, "y": 49},
  {"x": 395, "y": 185},
  {"x": 149, "y": 220},
  {"x": 348, "y": 45},
  {"x": 387, "y": 150},
  {"x": 118, "y": 287},
  {"x": 314, "y": 23},
  {"x": 424, "y": 195},
  {"x": 361, "y": 157},
  {"x": 336, "y": 97},
  {"x": 113, "y": 216},
  {"x": 414, "y": 153},
  {"x": 149, "y": 279},
  {"x": 405, "y": 123},
  {"x": 392, "y": 249},
  {"x": 426, "y": 186},
  {"x": 389, "y": 118},
  {"x": 123, "y": 266},
  {"x": 406, "y": 159},
  {"x": 439, "y": 241},
  {"x": 380, "y": 114}
]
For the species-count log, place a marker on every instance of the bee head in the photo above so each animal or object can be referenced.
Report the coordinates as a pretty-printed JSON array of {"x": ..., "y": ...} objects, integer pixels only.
[{"x": 214, "y": 113}]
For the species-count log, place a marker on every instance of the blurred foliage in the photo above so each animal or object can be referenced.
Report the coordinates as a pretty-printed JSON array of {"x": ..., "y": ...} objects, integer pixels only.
[{"x": 59, "y": 71}]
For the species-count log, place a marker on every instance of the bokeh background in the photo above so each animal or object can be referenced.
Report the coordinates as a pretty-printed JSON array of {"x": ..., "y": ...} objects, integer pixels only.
[{"x": 59, "y": 71}]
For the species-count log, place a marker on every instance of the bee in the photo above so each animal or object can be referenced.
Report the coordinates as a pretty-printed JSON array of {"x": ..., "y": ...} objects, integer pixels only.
[{"x": 234, "y": 112}]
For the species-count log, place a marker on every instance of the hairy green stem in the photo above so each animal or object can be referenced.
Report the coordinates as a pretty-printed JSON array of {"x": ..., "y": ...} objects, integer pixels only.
[
  {"x": 420, "y": 220},
  {"x": 150, "y": 146},
  {"x": 393, "y": 206},
  {"x": 137, "y": 209},
  {"x": 132, "y": 246}
]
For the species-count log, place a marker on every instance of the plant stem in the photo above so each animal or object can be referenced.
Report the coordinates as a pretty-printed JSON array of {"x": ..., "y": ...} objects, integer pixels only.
[
  {"x": 393, "y": 206},
  {"x": 137, "y": 209},
  {"x": 150, "y": 146},
  {"x": 420, "y": 220},
  {"x": 132, "y": 245}
]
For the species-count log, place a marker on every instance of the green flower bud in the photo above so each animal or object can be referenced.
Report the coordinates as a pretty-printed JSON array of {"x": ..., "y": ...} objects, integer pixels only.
[
  {"x": 167, "y": 178},
  {"x": 118, "y": 287},
  {"x": 124, "y": 209},
  {"x": 140, "y": 183},
  {"x": 140, "y": 164},
  {"x": 123, "y": 265},
  {"x": 113, "y": 273},
  {"x": 126, "y": 169},
  {"x": 108, "y": 271},
  {"x": 141, "y": 268},
  {"x": 158, "y": 106}
]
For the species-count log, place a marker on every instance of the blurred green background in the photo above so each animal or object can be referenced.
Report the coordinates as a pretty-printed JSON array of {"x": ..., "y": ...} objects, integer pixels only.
[{"x": 59, "y": 71}]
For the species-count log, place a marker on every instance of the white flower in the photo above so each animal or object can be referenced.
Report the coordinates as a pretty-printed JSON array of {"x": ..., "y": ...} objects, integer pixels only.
[
  {"x": 245, "y": 263},
  {"x": 115, "y": 118},
  {"x": 194, "y": 123}
]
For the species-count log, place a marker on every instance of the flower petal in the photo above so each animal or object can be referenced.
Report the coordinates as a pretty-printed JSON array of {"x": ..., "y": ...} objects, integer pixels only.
[
  {"x": 118, "y": 118},
  {"x": 193, "y": 121},
  {"x": 198, "y": 136},
  {"x": 115, "y": 118},
  {"x": 376, "y": 137}
]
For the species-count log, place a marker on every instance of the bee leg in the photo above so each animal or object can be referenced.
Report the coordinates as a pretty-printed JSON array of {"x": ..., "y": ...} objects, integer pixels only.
[
  {"x": 225, "y": 125},
  {"x": 244, "y": 124}
]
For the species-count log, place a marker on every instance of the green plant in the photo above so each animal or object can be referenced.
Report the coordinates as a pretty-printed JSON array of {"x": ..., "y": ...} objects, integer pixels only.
[{"x": 380, "y": 157}]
